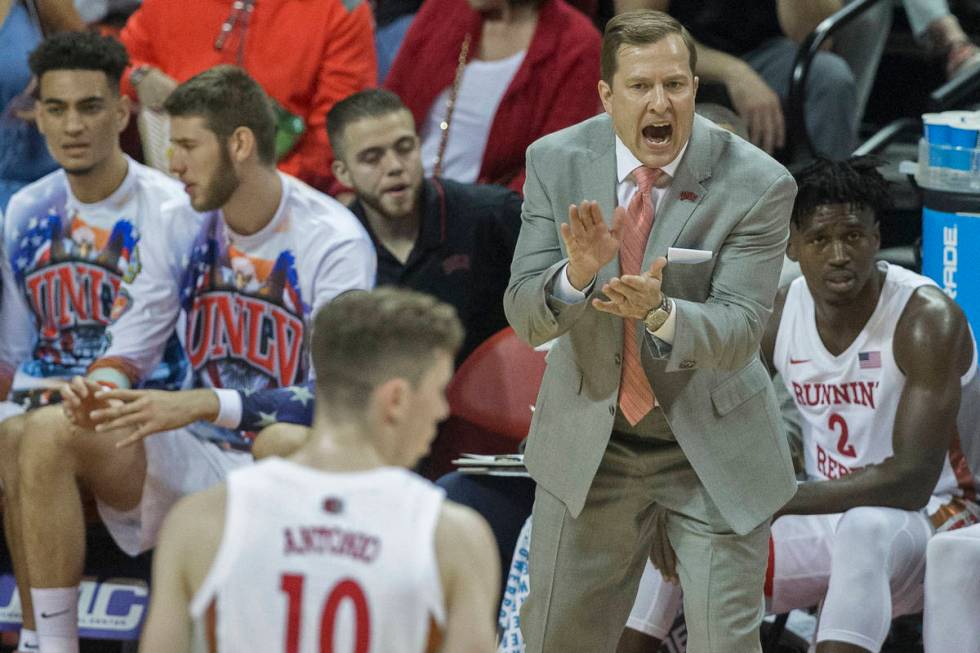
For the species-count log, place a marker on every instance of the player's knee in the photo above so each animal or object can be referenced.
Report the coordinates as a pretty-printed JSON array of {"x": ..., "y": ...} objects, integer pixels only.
[
  {"x": 867, "y": 533},
  {"x": 946, "y": 555},
  {"x": 46, "y": 440},
  {"x": 11, "y": 430},
  {"x": 279, "y": 440}
]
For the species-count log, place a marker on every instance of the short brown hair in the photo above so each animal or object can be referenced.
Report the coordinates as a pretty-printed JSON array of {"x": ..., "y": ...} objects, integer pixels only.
[
  {"x": 228, "y": 98},
  {"x": 640, "y": 27},
  {"x": 363, "y": 338},
  {"x": 372, "y": 103}
]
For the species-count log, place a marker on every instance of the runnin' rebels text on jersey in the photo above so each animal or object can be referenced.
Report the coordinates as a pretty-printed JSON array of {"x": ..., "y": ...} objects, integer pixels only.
[{"x": 848, "y": 402}]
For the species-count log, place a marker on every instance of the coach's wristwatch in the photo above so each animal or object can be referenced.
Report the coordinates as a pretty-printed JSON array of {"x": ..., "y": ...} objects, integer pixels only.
[{"x": 658, "y": 314}]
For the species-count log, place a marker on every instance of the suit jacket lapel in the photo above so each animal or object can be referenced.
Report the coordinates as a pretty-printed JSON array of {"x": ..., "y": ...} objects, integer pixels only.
[{"x": 686, "y": 192}]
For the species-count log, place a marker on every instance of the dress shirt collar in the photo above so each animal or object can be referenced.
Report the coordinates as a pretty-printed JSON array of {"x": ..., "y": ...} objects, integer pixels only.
[{"x": 626, "y": 162}]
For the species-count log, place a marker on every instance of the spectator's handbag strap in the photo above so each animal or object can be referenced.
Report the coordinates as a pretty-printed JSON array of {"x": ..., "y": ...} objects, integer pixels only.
[
  {"x": 241, "y": 11},
  {"x": 451, "y": 105}
]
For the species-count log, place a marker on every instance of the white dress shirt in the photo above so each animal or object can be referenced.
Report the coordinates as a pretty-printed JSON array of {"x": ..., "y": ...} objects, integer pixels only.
[
  {"x": 481, "y": 90},
  {"x": 626, "y": 188}
]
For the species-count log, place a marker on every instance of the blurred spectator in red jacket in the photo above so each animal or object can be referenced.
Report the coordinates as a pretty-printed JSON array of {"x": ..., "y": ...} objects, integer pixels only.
[
  {"x": 306, "y": 54},
  {"x": 486, "y": 78}
]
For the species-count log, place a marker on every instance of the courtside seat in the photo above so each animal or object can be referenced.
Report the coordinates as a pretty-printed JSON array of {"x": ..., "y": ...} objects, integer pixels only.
[
  {"x": 490, "y": 400},
  {"x": 496, "y": 386}
]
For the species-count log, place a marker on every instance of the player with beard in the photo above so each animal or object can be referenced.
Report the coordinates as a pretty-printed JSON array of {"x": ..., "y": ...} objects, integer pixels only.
[
  {"x": 306, "y": 249},
  {"x": 449, "y": 239},
  {"x": 340, "y": 524},
  {"x": 69, "y": 237},
  {"x": 882, "y": 369}
]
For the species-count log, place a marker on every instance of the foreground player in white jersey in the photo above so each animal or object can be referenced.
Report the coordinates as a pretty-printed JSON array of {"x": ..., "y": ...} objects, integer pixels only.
[
  {"x": 339, "y": 548},
  {"x": 69, "y": 240},
  {"x": 882, "y": 367},
  {"x": 302, "y": 249}
]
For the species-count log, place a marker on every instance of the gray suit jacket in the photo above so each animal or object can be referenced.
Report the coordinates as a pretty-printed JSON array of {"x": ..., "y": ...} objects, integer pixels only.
[{"x": 727, "y": 197}]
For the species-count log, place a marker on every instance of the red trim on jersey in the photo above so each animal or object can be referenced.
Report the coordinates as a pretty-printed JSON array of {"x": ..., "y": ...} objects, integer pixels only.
[
  {"x": 435, "y": 636},
  {"x": 961, "y": 468},
  {"x": 211, "y": 626},
  {"x": 769, "y": 569}
]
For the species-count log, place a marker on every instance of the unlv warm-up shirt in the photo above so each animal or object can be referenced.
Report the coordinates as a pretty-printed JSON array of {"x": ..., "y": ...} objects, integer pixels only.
[
  {"x": 247, "y": 300},
  {"x": 67, "y": 260},
  {"x": 848, "y": 402},
  {"x": 317, "y": 561}
]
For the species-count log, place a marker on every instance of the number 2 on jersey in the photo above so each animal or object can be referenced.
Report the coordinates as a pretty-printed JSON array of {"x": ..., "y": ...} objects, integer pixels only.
[
  {"x": 347, "y": 589},
  {"x": 843, "y": 446}
]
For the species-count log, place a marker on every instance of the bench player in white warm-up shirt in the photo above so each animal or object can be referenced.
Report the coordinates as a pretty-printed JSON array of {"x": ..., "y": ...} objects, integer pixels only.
[
  {"x": 245, "y": 328},
  {"x": 69, "y": 242},
  {"x": 882, "y": 368},
  {"x": 339, "y": 548}
]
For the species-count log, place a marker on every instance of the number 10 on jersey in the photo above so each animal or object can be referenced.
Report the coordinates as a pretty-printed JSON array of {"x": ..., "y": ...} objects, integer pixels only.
[{"x": 346, "y": 590}]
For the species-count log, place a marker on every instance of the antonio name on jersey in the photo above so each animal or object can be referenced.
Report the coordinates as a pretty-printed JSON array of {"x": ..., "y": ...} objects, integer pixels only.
[{"x": 330, "y": 540}]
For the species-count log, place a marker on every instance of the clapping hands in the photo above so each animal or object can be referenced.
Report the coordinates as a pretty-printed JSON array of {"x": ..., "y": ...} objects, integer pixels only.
[{"x": 590, "y": 242}]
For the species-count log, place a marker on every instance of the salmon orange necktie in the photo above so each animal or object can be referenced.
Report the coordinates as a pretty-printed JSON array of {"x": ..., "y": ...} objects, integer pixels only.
[{"x": 635, "y": 394}]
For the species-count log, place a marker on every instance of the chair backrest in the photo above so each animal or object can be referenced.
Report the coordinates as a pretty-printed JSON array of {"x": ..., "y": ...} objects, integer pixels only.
[{"x": 497, "y": 384}]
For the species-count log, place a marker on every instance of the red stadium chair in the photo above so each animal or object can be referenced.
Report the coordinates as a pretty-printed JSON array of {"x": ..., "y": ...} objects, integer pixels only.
[
  {"x": 490, "y": 399},
  {"x": 497, "y": 384}
]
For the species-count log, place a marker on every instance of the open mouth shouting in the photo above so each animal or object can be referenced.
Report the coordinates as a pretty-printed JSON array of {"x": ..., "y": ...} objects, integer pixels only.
[{"x": 658, "y": 134}]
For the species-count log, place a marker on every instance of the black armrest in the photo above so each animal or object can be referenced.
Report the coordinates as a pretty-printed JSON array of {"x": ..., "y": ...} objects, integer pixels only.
[
  {"x": 799, "y": 139},
  {"x": 955, "y": 91},
  {"x": 887, "y": 134}
]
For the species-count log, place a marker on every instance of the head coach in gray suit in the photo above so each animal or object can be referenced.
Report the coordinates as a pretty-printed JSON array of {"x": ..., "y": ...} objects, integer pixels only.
[{"x": 654, "y": 391}]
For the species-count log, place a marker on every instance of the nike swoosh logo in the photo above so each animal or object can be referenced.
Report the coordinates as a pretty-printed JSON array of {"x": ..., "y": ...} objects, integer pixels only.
[
  {"x": 45, "y": 615},
  {"x": 797, "y": 361}
]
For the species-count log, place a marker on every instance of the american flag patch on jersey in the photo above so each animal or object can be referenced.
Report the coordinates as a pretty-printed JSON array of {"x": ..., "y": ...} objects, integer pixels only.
[{"x": 869, "y": 360}]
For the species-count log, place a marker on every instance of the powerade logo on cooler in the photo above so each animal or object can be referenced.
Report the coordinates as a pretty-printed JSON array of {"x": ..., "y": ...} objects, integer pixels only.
[
  {"x": 950, "y": 244},
  {"x": 110, "y": 609},
  {"x": 949, "y": 261}
]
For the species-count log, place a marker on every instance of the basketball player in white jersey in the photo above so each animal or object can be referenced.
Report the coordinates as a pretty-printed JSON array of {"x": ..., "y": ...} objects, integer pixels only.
[
  {"x": 69, "y": 242},
  {"x": 882, "y": 368},
  {"x": 339, "y": 547}
]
